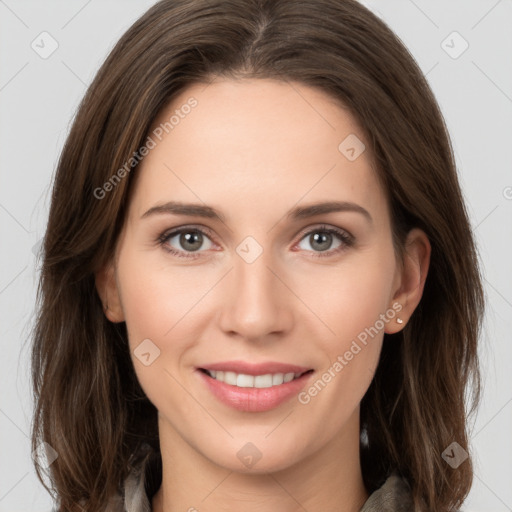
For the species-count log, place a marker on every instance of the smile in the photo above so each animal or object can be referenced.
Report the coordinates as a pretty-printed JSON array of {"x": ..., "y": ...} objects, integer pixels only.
[
  {"x": 243, "y": 380},
  {"x": 253, "y": 393}
]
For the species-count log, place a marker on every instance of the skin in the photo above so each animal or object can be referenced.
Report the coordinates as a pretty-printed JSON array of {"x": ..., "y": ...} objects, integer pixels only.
[{"x": 253, "y": 150}]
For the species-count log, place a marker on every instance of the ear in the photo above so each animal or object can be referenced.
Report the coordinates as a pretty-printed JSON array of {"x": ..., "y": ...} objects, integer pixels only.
[
  {"x": 411, "y": 279},
  {"x": 108, "y": 291}
]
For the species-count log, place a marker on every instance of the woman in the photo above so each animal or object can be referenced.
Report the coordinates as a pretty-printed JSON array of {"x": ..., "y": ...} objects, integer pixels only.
[{"x": 260, "y": 288}]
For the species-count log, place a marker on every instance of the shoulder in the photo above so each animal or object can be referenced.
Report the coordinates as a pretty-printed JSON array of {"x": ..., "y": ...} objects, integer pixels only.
[
  {"x": 394, "y": 495},
  {"x": 139, "y": 484}
]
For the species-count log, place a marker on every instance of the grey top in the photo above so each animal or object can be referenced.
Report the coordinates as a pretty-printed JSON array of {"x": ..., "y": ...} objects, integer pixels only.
[{"x": 393, "y": 496}]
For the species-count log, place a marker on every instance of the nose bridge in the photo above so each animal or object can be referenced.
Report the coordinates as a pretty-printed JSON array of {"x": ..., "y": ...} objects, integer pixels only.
[{"x": 256, "y": 305}]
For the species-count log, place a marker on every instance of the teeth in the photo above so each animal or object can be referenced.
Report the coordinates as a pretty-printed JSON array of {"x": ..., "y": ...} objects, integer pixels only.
[
  {"x": 253, "y": 381},
  {"x": 244, "y": 381}
]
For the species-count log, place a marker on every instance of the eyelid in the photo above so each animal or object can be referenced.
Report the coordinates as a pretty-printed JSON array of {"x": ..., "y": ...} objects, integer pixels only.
[
  {"x": 345, "y": 236},
  {"x": 324, "y": 227},
  {"x": 169, "y": 233},
  {"x": 347, "y": 240}
]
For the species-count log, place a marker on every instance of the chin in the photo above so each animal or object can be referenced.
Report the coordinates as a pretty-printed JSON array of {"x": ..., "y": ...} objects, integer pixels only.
[{"x": 253, "y": 457}]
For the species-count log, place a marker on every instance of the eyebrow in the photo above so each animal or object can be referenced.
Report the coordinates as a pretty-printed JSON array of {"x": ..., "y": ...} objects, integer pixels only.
[{"x": 298, "y": 213}]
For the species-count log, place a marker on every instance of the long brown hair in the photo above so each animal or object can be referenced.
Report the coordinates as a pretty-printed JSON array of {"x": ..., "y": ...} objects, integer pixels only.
[{"x": 89, "y": 405}]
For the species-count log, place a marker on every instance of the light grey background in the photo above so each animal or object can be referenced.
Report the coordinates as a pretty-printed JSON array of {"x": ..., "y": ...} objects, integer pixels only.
[{"x": 38, "y": 98}]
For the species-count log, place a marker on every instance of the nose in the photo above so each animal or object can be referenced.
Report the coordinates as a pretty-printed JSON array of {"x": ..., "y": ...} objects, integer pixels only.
[{"x": 256, "y": 302}]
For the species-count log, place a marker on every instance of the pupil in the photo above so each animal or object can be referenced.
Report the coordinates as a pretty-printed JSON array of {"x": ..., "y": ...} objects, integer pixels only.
[
  {"x": 193, "y": 238},
  {"x": 321, "y": 238}
]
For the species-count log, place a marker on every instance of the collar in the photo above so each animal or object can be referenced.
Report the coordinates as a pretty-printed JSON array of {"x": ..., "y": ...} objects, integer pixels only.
[{"x": 393, "y": 496}]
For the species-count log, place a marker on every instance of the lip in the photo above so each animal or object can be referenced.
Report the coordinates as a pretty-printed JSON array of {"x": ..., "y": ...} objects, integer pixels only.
[
  {"x": 255, "y": 369},
  {"x": 255, "y": 399}
]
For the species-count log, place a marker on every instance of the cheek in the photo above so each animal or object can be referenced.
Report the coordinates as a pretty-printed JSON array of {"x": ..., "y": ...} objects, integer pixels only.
[
  {"x": 154, "y": 297},
  {"x": 350, "y": 297},
  {"x": 352, "y": 301},
  {"x": 352, "y": 353},
  {"x": 159, "y": 308}
]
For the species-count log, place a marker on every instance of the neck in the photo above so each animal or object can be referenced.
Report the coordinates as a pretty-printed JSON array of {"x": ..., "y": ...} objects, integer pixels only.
[{"x": 326, "y": 480}]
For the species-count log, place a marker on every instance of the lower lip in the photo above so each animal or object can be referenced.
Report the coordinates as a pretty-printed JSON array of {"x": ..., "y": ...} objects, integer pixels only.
[{"x": 254, "y": 399}]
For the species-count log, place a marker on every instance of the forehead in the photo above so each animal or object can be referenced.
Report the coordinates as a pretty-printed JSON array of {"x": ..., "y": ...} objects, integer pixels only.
[{"x": 256, "y": 144}]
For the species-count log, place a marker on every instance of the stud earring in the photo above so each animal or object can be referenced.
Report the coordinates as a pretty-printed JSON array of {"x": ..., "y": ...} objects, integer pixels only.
[
  {"x": 105, "y": 307},
  {"x": 399, "y": 321}
]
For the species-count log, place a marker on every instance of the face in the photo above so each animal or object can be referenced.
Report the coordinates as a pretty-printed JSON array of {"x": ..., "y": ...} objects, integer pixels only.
[{"x": 253, "y": 281}]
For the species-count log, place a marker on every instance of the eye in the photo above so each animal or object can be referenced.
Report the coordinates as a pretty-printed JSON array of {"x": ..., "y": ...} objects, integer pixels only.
[
  {"x": 185, "y": 240},
  {"x": 321, "y": 239}
]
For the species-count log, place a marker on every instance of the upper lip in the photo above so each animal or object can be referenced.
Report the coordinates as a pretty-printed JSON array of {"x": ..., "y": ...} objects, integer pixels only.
[{"x": 255, "y": 369}]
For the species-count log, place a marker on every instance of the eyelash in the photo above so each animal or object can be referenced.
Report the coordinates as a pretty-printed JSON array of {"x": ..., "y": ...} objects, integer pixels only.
[{"x": 346, "y": 239}]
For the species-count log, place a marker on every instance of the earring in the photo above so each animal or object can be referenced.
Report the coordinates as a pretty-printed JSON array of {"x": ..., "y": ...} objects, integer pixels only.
[
  {"x": 399, "y": 321},
  {"x": 105, "y": 307}
]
